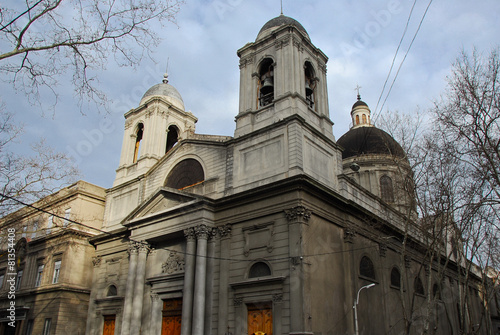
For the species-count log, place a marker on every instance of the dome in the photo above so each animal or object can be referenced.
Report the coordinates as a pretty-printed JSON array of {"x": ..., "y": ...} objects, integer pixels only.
[
  {"x": 279, "y": 21},
  {"x": 359, "y": 103},
  {"x": 164, "y": 90},
  {"x": 369, "y": 141}
]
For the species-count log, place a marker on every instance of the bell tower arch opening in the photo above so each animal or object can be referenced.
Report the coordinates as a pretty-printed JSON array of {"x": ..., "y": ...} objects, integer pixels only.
[
  {"x": 172, "y": 137},
  {"x": 310, "y": 84},
  {"x": 266, "y": 82},
  {"x": 138, "y": 140}
]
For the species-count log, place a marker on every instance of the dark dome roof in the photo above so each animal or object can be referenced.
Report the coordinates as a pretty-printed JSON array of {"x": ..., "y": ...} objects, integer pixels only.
[
  {"x": 280, "y": 21},
  {"x": 359, "y": 103},
  {"x": 369, "y": 141}
]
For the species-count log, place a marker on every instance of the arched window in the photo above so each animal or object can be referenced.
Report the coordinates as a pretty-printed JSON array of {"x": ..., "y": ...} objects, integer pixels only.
[
  {"x": 364, "y": 118},
  {"x": 357, "y": 119},
  {"x": 418, "y": 286},
  {"x": 138, "y": 140},
  {"x": 172, "y": 137},
  {"x": 366, "y": 268},
  {"x": 310, "y": 83},
  {"x": 259, "y": 269},
  {"x": 112, "y": 291},
  {"x": 186, "y": 173},
  {"x": 386, "y": 189},
  {"x": 395, "y": 278},
  {"x": 266, "y": 82}
]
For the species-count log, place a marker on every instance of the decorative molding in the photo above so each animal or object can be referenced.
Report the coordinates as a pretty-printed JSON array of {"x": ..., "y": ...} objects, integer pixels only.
[
  {"x": 382, "y": 249},
  {"x": 96, "y": 261},
  {"x": 154, "y": 296},
  {"x": 349, "y": 235},
  {"x": 298, "y": 214},
  {"x": 202, "y": 232},
  {"x": 278, "y": 297},
  {"x": 173, "y": 264},
  {"x": 132, "y": 248},
  {"x": 190, "y": 234},
  {"x": 224, "y": 231},
  {"x": 237, "y": 301},
  {"x": 407, "y": 261},
  {"x": 296, "y": 260}
]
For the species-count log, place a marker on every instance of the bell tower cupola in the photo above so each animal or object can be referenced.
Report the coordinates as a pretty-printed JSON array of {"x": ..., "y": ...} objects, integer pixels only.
[
  {"x": 152, "y": 130},
  {"x": 282, "y": 74},
  {"x": 361, "y": 114}
]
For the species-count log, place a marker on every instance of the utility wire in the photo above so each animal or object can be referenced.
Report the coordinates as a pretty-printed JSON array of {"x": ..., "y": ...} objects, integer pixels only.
[
  {"x": 178, "y": 251},
  {"x": 395, "y": 54},
  {"x": 406, "y": 54}
]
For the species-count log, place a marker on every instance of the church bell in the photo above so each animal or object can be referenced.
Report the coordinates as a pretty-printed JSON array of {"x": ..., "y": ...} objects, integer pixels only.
[
  {"x": 267, "y": 86},
  {"x": 309, "y": 90}
]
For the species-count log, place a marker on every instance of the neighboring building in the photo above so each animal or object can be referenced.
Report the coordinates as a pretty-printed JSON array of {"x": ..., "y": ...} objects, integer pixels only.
[
  {"x": 272, "y": 231},
  {"x": 53, "y": 262}
]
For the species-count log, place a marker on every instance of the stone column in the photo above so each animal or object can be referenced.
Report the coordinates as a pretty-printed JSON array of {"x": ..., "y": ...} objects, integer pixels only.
[
  {"x": 129, "y": 293},
  {"x": 225, "y": 243},
  {"x": 202, "y": 233},
  {"x": 135, "y": 322},
  {"x": 156, "y": 317},
  {"x": 209, "y": 282},
  {"x": 296, "y": 217},
  {"x": 187, "y": 294}
]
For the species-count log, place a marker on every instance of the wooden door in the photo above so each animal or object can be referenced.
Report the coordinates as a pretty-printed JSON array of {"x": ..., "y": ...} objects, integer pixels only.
[
  {"x": 172, "y": 315},
  {"x": 260, "y": 320},
  {"x": 109, "y": 325}
]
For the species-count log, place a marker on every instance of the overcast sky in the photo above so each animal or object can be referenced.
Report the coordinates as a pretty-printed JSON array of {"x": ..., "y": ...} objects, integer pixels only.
[{"x": 359, "y": 37}]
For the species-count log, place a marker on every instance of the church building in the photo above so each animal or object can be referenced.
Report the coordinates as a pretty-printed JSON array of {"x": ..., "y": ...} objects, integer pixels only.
[{"x": 279, "y": 229}]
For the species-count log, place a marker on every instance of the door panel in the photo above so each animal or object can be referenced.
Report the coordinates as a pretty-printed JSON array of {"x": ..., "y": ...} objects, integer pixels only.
[
  {"x": 109, "y": 325},
  {"x": 260, "y": 321}
]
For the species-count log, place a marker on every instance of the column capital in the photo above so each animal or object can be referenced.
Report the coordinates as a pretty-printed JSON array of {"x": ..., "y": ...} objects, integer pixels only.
[
  {"x": 132, "y": 248},
  {"x": 298, "y": 214},
  {"x": 155, "y": 296},
  {"x": 203, "y": 232},
  {"x": 224, "y": 231},
  {"x": 143, "y": 246},
  {"x": 190, "y": 234}
]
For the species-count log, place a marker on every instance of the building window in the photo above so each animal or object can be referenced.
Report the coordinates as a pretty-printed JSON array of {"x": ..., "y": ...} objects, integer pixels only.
[
  {"x": 357, "y": 119},
  {"x": 172, "y": 137},
  {"x": 138, "y": 140},
  {"x": 418, "y": 286},
  {"x": 363, "y": 117},
  {"x": 35, "y": 228},
  {"x": 386, "y": 189},
  {"x": 57, "y": 271},
  {"x": 50, "y": 223},
  {"x": 29, "y": 327},
  {"x": 46, "y": 327},
  {"x": 259, "y": 269},
  {"x": 112, "y": 291},
  {"x": 366, "y": 268},
  {"x": 266, "y": 82},
  {"x": 67, "y": 214},
  {"x": 310, "y": 84},
  {"x": 39, "y": 273},
  {"x": 19, "y": 278},
  {"x": 395, "y": 278},
  {"x": 186, "y": 173}
]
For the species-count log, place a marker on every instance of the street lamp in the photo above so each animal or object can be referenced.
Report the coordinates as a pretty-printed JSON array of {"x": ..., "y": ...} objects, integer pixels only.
[{"x": 356, "y": 309}]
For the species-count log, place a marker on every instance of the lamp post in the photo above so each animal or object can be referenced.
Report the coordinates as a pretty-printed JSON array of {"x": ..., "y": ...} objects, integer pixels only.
[{"x": 356, "y": 308}]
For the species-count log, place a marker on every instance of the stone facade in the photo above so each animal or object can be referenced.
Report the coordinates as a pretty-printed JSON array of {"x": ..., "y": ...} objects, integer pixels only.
[
  {"x": 53, "y": 262},
  {"x": 266, "y": 232}
]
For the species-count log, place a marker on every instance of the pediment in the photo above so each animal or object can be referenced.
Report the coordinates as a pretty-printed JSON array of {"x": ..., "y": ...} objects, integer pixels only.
[{"x": 162, "y": 201}]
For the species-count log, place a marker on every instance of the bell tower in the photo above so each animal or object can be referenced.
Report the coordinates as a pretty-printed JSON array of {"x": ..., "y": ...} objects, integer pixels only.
[{"x": 282, "y": 74}]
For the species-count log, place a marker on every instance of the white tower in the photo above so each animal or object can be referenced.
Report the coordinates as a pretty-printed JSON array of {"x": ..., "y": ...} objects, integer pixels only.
[
  {"x": 152, "y": 129},
  {"x": 281, "y": 74}
]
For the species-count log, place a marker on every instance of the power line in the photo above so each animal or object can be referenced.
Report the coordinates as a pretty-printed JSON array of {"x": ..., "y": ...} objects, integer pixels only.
[
  {"x": 177, "y": 251},
  {"x": 406, "y": 54},
  {"x": 395, "y": 54}
]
